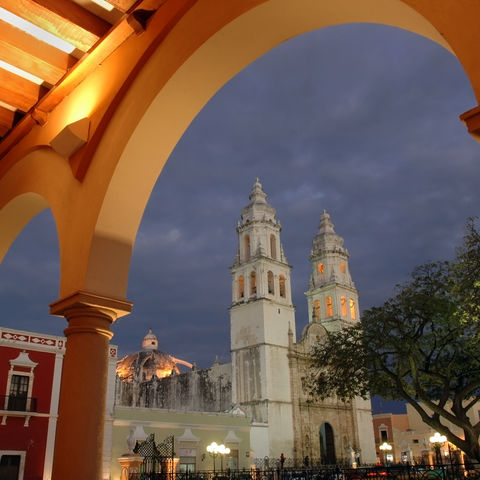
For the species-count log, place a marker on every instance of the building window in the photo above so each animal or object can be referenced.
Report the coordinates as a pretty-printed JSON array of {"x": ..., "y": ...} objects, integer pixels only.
[
  {"x": 281, "y": 280},
  {"x": 271, "y": 289},
  {"x": 253, "y": 284},
  {"x": 246, "y": 240},
  {"x": 241, "y": 287},
  {"x": 343, "y": 303},
  {"x": 316, "y": 309},
  {"x": 12, "y": 464},
  {"x": 186, "y": 464},
  {"x": 329, "y": 306},
  {"x": 343, "y": 269},
  {"x": 273, "y": 247},
  {"x": 17, "y": 396},
  {"x": 383, "y": 435},
  {"x": 353, "y": 313},
  {"x": 320, "y": 269},
  {"x": 20, "y": 384},
  {"x": 231, "y": 460}
]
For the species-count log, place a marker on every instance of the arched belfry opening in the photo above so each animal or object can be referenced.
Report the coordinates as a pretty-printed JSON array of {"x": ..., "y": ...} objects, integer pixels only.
[{"x": 273, "y": 246}]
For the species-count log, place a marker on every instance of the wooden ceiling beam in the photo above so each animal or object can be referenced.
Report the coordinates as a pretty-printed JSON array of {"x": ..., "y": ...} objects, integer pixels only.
[
  {"x": 36, "y": 48},
  {"x": 21, "y": 59},
  {"x": 18, "y": 92},
  {"x": 6, "y": 120},
  {"x": 31, "y": 55},
  {"x": 85, "y": 66},
  {"x": 75, "y": 13},
  {"x": 78, "y": 34}
]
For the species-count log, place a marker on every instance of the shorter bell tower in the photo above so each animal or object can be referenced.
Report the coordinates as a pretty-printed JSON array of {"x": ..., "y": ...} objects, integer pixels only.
[{"x": 332, "y": 296}]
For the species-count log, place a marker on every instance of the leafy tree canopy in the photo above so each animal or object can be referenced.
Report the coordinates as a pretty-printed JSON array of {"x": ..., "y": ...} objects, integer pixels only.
[{"x": 421, "y": 346}]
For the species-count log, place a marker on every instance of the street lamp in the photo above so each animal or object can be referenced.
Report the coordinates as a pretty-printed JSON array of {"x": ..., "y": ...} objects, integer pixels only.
[
  {"x": 385, "y": 447},
  {"x": 437, "y": 440},
  {"x": 213, "y": 449}
]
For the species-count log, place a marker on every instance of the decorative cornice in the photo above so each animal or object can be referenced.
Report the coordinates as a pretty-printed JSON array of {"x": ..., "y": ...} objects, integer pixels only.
[
  {"x": 31, "y": 340},
  {"x": 471, "y": 119}
]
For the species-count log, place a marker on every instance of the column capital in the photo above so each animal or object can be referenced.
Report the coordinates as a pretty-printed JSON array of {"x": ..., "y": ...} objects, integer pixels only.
[
  {"x": 471, "y": 119},
  {"x": 111, "y": 307}
]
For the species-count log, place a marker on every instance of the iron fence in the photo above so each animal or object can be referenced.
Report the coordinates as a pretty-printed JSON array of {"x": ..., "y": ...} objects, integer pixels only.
[{"x": 450, "y": 471}]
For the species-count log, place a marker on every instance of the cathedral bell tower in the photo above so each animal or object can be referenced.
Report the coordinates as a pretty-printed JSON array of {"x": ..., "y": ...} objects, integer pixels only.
[
  {"x": 262, "y": 320},
  {"x": 332, "y": 296}
]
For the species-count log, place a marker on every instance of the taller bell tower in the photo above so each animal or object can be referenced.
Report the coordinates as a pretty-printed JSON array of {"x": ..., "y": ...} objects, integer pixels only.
[
  {"x": 332, "y": 296},
  {"x": 262, "y": 320}
]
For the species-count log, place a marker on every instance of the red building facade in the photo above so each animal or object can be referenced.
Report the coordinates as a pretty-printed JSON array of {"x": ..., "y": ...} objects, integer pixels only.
[{"x": 30, "y": 372}]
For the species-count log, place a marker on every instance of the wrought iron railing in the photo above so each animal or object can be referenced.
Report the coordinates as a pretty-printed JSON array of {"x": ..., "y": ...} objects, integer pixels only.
[
  {"x": 446, "y": 471},
  {"x": 18, "y": 403}
]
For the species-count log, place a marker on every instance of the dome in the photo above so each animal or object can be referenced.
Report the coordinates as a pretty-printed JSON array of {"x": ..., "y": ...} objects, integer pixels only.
[
  {"x": 143, "y": 365},
  {"x": 149, "y": 362}
]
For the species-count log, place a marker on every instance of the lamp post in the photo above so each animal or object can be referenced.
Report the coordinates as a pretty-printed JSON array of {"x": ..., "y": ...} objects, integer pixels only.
[
  {"x": 214, "y": 449},
  {"x": 437, "y": 440},
  {"x": 385, "y": 447}
]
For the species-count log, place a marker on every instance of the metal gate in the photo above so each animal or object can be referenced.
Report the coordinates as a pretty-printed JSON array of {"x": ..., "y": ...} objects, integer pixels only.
[{"x": 158, "y": 459}]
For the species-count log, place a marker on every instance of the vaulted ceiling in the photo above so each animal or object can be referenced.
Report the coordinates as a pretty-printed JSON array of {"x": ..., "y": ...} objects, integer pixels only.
[{"x": 35, "y": 73}]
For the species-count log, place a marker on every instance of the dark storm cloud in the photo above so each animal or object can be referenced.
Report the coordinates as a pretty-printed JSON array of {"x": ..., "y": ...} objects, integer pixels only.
[{"x": 361, "y": 120}]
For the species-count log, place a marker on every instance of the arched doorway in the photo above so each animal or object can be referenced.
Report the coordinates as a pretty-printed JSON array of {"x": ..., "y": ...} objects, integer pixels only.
[{"x": 327, "y": 445}]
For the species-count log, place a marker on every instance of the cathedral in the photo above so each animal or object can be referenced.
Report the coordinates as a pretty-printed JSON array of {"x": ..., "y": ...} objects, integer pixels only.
[{"x": 264, "y": 381}]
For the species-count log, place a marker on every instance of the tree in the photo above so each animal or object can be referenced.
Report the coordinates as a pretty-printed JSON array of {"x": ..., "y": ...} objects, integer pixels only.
[{"x": 421, "y": 346}]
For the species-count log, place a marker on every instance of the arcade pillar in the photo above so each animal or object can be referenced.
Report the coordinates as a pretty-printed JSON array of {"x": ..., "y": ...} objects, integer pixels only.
[{"x": 79, "y": 438}]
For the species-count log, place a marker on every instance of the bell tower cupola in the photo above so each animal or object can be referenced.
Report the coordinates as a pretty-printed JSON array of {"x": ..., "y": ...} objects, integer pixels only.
[
  {"x": 260, "y": 268},
  {"x": 332, "y": 296}
]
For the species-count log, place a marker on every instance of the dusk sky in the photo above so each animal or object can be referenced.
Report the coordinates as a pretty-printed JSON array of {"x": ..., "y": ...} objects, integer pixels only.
[{"x": 360, "y": 120}]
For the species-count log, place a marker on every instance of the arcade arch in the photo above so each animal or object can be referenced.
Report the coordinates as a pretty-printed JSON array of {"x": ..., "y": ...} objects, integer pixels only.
[{"x": 98, "y": 209}]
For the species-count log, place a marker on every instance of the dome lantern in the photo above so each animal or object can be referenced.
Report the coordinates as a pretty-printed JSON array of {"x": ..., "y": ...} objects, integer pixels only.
[{"x": 150, "y": 341}]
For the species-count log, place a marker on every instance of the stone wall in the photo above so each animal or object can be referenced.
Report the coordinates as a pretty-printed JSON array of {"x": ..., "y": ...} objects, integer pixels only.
[{"x": 207, "y": 390}]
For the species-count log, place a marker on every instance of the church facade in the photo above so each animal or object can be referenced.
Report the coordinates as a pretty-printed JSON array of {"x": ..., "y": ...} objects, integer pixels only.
[{"x": 269, "y": 366}]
